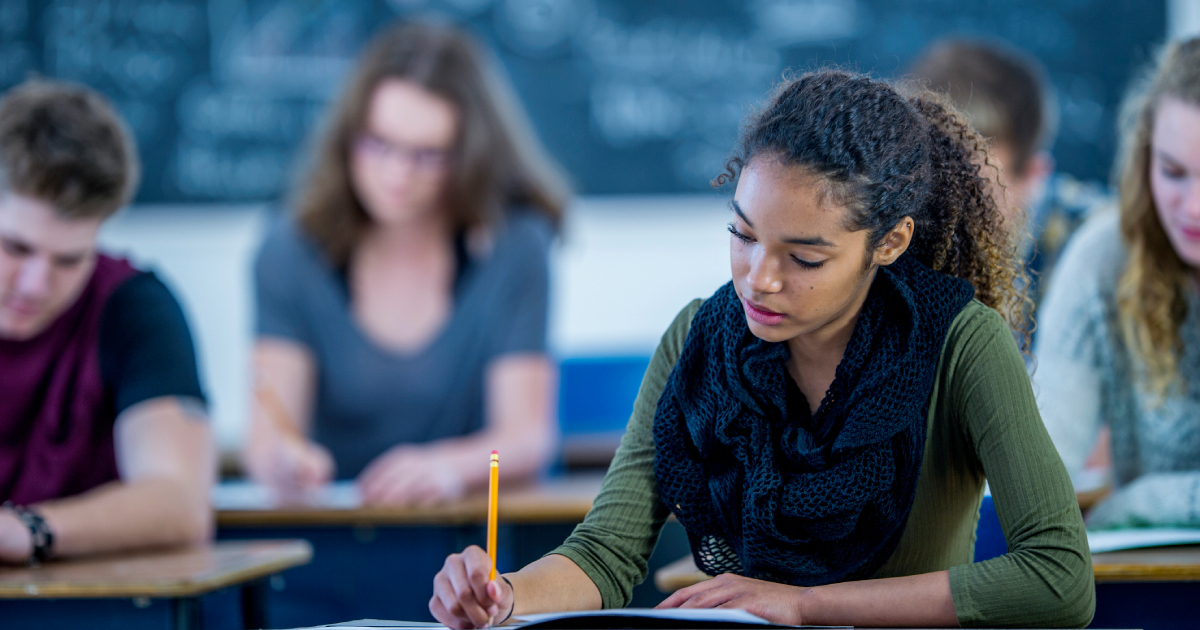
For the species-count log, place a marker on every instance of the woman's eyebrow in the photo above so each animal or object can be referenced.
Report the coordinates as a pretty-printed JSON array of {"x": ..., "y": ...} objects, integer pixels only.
[
  {"x": 814, "y": 241},
  {"x": 1162, "y": 155},
  {"x": 733, "y": 205}
]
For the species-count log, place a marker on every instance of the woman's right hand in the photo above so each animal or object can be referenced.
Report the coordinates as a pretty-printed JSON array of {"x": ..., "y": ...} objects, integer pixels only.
[
  {"x": 291, "y": 465},
  {"x": 463, "y": 597}
]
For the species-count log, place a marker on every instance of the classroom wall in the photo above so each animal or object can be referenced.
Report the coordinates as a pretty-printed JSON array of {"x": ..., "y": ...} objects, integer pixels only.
[
  {"x": 622, "y": 270},
  {"x": 630, "y": 96},
  {"x": 1183, "y": 18}
]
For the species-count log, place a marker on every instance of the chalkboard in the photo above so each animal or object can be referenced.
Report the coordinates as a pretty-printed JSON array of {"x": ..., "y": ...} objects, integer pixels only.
[{"x": 632, "y": 96}]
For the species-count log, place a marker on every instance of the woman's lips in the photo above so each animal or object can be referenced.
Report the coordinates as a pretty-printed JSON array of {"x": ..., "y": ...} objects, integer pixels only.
[
  {"x": 1191, "y": 233},
  {"x": 761, "y": 315}
]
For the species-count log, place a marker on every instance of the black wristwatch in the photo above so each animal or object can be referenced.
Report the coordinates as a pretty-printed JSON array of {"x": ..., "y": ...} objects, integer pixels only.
[{"x": 39, "y": 532}]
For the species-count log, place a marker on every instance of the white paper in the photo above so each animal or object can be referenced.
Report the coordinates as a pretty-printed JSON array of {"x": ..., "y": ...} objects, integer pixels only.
[
  {"x": 1091, "y": 479},
  {"x": 380, "y": 623},
  {"x": 246, "y": 495},
  {"x": 687, "y": 614},
  {"x": 376, "y": 624},
  {"x": 697, "y": 615},
  {"x": 1118, "y": 539}
]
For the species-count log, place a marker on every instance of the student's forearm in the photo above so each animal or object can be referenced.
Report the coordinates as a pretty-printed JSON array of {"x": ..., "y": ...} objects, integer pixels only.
[
  {"x": 521, "y": 456},
  {"x": 146, "y": 513},
  {"x": 552, "y": 584},
  {"x": 915, "y": 600}
]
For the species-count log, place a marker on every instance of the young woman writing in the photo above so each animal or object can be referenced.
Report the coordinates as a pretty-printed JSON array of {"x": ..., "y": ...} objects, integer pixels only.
[
  {"x": 1119, "y": 345},
  {"x": 822, "y": 426},
  {"x": 402, "y": 310}
]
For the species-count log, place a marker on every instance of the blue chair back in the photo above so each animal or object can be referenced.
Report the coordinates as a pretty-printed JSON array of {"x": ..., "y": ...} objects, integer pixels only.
[
  {"x": 596, "y": 394},
  {"x": 989, "y": 537}
]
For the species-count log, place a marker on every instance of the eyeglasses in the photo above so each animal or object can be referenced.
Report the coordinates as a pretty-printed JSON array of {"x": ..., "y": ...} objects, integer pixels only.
[{"x": 422, "y": 158}]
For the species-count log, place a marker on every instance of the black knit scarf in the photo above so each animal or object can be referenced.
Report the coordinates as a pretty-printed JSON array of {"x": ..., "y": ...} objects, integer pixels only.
[{"x": 767, "y": 489}]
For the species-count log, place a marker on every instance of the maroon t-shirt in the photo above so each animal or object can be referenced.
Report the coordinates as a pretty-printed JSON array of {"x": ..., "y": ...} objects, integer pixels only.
[{"x": 123, "y": 341}]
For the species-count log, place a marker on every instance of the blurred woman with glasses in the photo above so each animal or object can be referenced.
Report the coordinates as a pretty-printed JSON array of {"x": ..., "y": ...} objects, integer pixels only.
[{"x": 401, "y": 310}]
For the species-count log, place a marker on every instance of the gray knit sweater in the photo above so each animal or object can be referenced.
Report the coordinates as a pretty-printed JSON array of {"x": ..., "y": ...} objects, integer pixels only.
[{"x": 1086, "y": 378}]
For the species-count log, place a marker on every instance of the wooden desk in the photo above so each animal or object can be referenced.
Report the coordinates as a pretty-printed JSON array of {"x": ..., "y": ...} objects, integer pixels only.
[
  {"x": 595, "y": 450},
  {"x": 1162, "y": 564},
  {"x": 180, "y": 575},
  {"x": 1148, "y": 588},
  {"x": 379, "y": 562},
  {"x": 1136, "y": 588},
  {"x": 560, "y": 499},
  {"x": 679, "y": 574}
]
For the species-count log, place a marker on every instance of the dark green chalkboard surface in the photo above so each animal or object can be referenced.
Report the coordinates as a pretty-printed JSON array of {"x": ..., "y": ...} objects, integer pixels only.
[{"x": 632, "y": 96}]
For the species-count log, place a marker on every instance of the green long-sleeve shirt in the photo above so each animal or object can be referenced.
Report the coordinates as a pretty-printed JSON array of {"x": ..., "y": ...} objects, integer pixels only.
[{"x": 983, "y": 423}]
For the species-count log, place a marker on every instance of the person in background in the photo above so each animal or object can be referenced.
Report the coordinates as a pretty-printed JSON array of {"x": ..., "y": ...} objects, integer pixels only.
[
  {"x": 1120, "y": 340},
  {"x": 401, "y": 325},
  {"x": 1009, "y": 100},
  {"x": 104, "y": 444}
]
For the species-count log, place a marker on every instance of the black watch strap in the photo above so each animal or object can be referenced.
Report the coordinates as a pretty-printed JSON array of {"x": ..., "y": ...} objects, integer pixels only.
[{"x": 39, "y": 532}]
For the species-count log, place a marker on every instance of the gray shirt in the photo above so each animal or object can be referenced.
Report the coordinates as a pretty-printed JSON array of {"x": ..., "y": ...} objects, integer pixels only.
[
  {"x": 1086, "y": 378},
  {"x": 370, "y": 398}
]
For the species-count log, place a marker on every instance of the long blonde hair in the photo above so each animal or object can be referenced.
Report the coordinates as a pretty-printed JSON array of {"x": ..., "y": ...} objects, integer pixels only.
[
  {"x": 1151, "y": 299},
  {"x": 498, "y": 160}
]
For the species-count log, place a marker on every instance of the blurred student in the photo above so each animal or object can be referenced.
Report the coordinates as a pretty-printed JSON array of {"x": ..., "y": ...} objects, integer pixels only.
[
  {"x": 1009, "y": 100},
  {"x": 402, "y": 307},
  {"x": 1007, "y": 96},
  {"x": 1120, "y": 340},
  {"x": 104, "y": 444}
]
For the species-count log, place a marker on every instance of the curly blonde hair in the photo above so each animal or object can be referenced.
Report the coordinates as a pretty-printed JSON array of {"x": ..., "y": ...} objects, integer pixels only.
[{"x": 1151, "y": 302}]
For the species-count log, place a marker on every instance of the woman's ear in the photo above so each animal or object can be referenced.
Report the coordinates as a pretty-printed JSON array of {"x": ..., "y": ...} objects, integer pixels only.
[{"x": 895, "y": 243}]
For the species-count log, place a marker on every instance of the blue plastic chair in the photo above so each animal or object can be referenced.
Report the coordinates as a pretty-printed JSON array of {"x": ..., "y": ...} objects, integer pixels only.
[
  {"x": 989, "y": 537},
  {"x": 596, "y": 394}
]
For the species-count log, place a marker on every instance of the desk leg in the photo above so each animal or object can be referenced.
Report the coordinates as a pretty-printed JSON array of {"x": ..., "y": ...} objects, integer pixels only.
[
  {"x": 254, "y": 605},
  {"x": 185, "y": 613}
]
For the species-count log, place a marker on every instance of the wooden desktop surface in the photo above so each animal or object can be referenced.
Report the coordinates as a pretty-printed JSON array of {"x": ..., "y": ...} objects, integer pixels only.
[
  {"x": 679, "y": 574},
  {"x": 1160, "y": 564},
  {"x": 560, "y": 499},
  {"x": 175, "y": 573}
]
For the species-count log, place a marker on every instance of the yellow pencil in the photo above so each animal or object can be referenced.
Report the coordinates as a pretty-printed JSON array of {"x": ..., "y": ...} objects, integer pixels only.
[
  {"x": 277, "y": 413},
  {"x": 493, "y": 499}
]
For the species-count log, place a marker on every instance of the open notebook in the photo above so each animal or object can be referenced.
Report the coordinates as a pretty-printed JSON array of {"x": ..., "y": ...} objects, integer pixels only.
[
  {"x": 674, "y": 619},
  {"x": 1101, "y": 541},
  {"x": 246, "y": 495}
]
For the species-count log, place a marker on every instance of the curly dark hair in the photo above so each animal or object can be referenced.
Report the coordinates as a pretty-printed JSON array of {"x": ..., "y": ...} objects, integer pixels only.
[{"x": 887, "y": 152}]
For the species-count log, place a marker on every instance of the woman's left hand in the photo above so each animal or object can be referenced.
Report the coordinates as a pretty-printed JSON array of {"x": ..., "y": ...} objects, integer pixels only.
[
  {"x": 777, "y": 603},
  {"x": 410, "y": 475}
]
